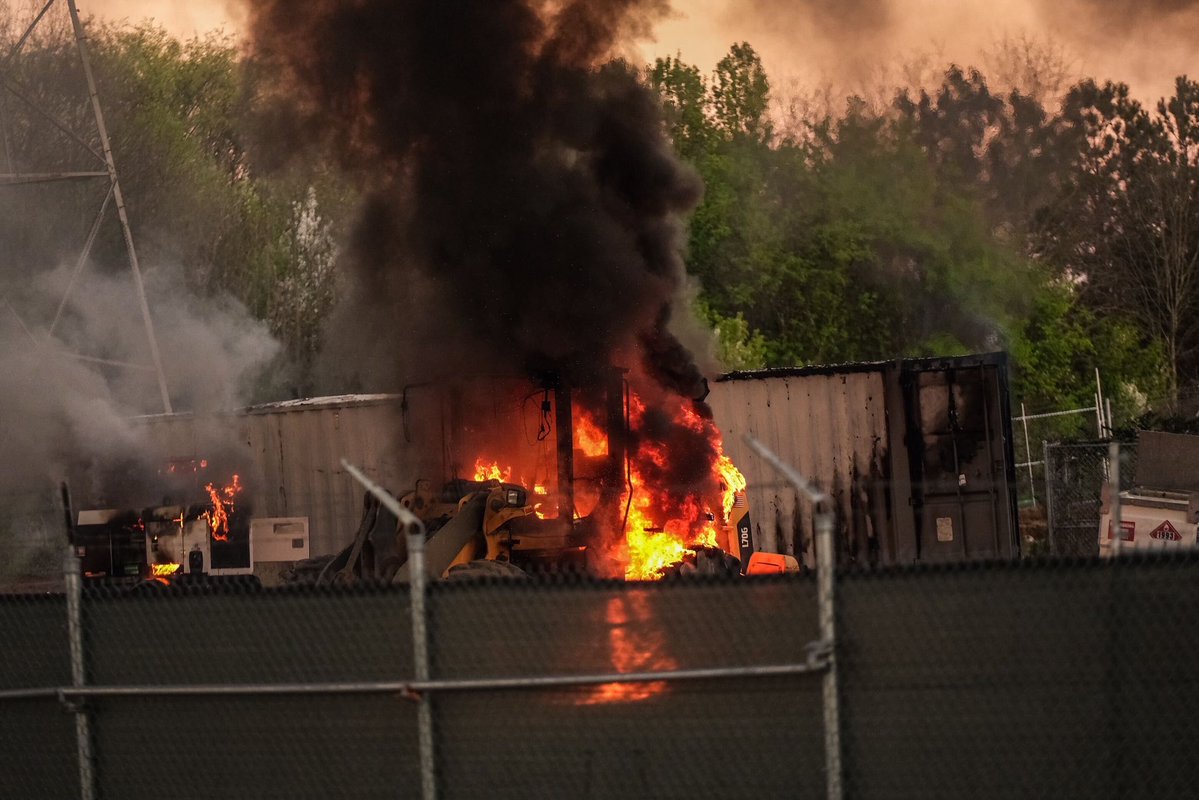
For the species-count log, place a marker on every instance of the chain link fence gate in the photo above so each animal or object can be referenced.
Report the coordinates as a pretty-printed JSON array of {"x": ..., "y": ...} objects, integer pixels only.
[
  {"x": 1032, "y": 431},
  {"x": 1075, "y": 475}
]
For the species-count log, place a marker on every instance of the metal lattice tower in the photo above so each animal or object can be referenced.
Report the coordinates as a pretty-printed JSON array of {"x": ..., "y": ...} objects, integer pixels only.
[{"x": 103, "y": 168}]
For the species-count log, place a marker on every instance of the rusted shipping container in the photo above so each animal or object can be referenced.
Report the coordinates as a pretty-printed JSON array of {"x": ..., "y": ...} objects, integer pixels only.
[{"x": 916, "y": 454}]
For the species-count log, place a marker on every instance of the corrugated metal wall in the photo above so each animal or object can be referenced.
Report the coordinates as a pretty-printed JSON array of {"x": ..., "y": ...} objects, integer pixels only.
[
  {"x": 296, "y": 450},
  {"x": 843, "y": 426},
  {"x": 832, "y": 428}
]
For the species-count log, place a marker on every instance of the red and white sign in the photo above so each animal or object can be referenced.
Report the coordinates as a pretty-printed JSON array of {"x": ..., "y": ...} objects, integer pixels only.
[
  {"x": 1165, "y": 533},
  {"x": 1128, "y": 530}
]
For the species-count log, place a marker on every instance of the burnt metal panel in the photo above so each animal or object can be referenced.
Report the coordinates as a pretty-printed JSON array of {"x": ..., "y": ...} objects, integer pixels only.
[
  {"x": 960, "y": 459},
  {"x": 830, "y": 426},
  {"x": 878, "y": 438},
  {"x": 292, "y": 455}
]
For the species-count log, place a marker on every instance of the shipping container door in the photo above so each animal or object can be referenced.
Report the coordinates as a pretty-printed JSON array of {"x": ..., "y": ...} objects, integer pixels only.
[{"x": 959, "y": 470}]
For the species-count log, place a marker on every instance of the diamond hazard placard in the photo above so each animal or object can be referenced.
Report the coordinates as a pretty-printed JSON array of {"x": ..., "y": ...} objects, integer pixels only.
[{"x": 1165, "y": 532}]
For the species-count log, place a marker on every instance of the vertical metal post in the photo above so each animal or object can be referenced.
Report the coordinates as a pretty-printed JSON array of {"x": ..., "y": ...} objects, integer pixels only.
[
  {"x": 8, "y": 162},
  {"x": 420, "y": 657},
  {"x": 1111, "y": 427},
  {"x": 1113, "y": 457},
  {"x": 83, "y": 737},
  {"x": 135, "y": 268},
  {"x": 826, "y": 599},
  {"x": 420, "y": 632},
  {"x": 1049, "y": 502},
  {"x": 1028, "y": 455}
]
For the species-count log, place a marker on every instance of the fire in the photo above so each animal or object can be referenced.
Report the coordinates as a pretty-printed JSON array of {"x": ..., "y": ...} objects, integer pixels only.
[
  {"x": 222, "y": 500},
  {"x": 540, "y": 495},
  {"x": 163, "y": 570},
  {"x": 656, "y": 526},
  {"x": 588, "y": 436},
  {"x": 654, "y": 544},
  {"x": 491, "y": 472}
]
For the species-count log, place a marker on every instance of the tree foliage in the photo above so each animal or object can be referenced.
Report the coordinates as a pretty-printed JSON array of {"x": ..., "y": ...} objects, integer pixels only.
[
  {"x": 1128, "y": 226},
  {"x": 911, "y": 230},
  {"x": 957, "y": 218},
  {"x": 179, "y": 120}
]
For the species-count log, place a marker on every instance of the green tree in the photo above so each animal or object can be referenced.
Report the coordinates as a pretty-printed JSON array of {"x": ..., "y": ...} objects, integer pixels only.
[
  {"x": 684, "y": 94},
  {"x": 741, "y": 94},
  {"x": 1126, "y": 224}
]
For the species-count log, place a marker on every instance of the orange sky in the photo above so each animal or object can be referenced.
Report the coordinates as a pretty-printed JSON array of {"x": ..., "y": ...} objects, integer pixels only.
[{"x": 848, "y": 42}]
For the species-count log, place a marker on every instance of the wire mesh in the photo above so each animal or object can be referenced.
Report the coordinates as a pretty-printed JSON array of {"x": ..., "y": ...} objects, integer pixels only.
[
  {"x": 1074, "y": 485},
  {"x": 660, "y": 739},
  {"x": 1045, "y": 679},
  {"x": 37, "y": 750},
  {"x": 247, "y": 745},
  {"x": 1030, "y": 435},
  {"x": 1051, "y": 677}
]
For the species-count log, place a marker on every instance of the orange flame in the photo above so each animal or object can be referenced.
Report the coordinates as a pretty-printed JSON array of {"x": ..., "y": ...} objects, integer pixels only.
[
  {"x": 491, "y": 472},
  {"x": 222, "y": 505},
  {"x": 661, "y": 529},
  {"x": 540, "y": 494},
  {"x": 164, "y": 570},
  {"x": 588, "y": 436},
  {"x": 654, "y": 544}
]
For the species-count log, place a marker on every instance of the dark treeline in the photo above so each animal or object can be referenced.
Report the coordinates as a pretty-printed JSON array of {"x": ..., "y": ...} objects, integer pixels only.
[{"x": 948, "y": 219}]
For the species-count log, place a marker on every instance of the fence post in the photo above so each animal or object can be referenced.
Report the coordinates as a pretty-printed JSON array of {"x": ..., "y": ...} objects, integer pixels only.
[
  {"x": 1117, "y": 531},
  {"x": 83, "y": 736},
  {"x": 1049, "y": 502},
  {"x": 826, "y": 602},
  {"x": 420, "y": 633},
  {"x": 420, "y": 657},
  {"x": 826, "y": 598},
  {"x": 1032, "y": 486}
]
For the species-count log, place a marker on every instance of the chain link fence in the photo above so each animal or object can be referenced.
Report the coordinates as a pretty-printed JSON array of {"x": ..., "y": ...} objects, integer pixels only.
[
  {"x": 1075, "y": 477},
  {"x": 1031, "y": 432},
  {"x": 1046, "y": 678}
]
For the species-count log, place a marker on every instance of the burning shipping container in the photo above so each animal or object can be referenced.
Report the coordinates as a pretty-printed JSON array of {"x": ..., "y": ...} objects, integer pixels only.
[
  {"x": 591, "y": 455},
  {"x": 917, "y": 454}
]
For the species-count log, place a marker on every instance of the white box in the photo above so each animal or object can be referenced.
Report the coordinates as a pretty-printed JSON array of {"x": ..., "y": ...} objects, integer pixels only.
[{"x": 279, "y": 538}]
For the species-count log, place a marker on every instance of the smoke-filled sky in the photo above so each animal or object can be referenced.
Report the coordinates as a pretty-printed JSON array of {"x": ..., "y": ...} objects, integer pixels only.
[{"x": 1142, "y": 42}]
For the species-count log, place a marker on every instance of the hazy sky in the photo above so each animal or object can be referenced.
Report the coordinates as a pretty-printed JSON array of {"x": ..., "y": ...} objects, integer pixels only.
[{"x": 1142, "y": 42}]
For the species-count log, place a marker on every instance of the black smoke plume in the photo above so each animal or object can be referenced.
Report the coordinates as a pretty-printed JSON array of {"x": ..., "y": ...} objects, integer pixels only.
[{"x": 525, "y": 208}]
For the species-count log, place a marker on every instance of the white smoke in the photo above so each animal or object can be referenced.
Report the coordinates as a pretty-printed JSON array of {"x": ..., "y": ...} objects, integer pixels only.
[{"x": 67, "y": 417}]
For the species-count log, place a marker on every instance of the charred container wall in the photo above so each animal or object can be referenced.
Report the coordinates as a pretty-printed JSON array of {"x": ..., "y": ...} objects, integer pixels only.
[{"x": 916, "y": 454}]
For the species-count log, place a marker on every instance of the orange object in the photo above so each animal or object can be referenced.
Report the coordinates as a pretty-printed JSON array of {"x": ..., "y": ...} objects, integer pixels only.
[{"x": 766, "y": 564}]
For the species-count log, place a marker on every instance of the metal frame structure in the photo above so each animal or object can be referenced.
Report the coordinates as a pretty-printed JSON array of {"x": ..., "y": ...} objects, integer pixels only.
[{"x": 104, "y": 159}]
